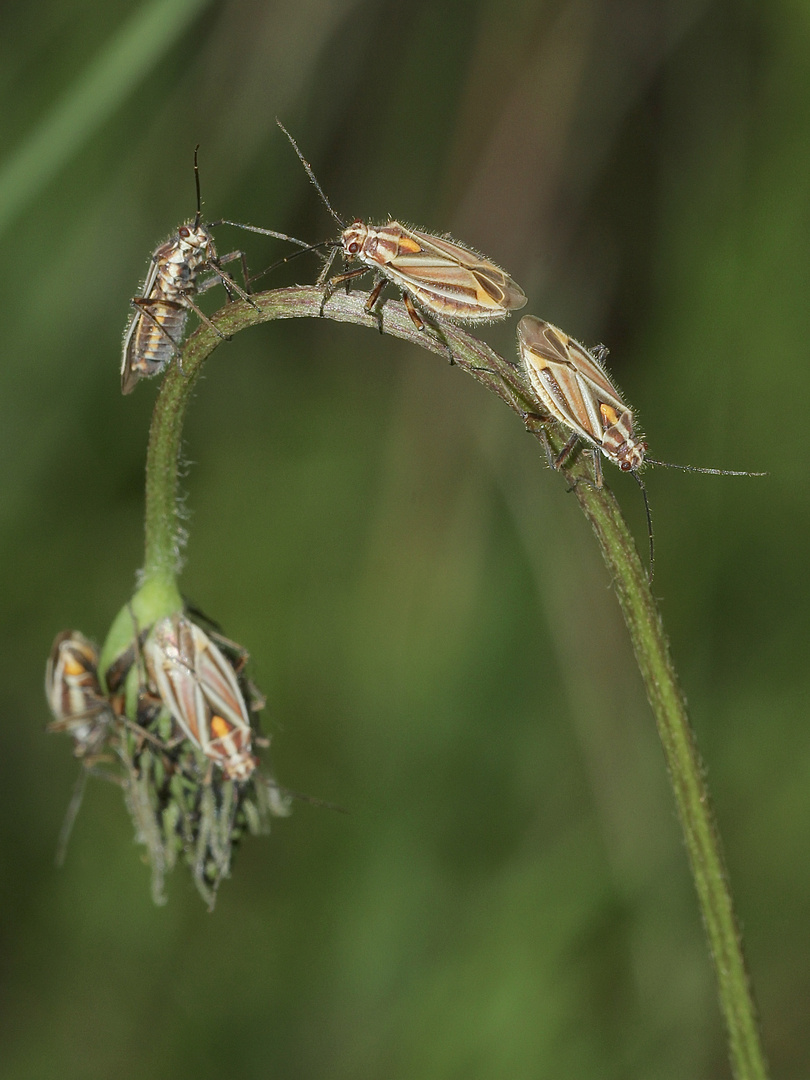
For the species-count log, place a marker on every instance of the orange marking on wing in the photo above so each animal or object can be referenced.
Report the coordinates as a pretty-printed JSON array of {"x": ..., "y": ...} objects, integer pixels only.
[
  {"x": 408, "y": 246},
  {"x": 610, "y": 415},
  {"x": 220, "y": 727}
]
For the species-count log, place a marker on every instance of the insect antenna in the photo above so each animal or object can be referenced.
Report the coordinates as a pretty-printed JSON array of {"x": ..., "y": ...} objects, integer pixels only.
[
  {"x": 264, "y": 232},
  {"x": 313, "y": 800},
  {"x": 72, "y": 811},
  {"x": 237, "y": 224},
  {"x": 289, "y": 258},
  {"x": 71, "y": 814},
  {"x": 681, "y": 468},
  {"x": 648, "y": 512},
  {"x": 311, "y": 175},
  {"x": 197, "y": 182},
  {"x": 695, "y": 468}
]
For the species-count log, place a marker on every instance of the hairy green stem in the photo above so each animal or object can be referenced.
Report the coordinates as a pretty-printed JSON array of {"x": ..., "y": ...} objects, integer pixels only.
[
  {"x": 638, "y": 606},
  {"x": 687, "y": 776}
]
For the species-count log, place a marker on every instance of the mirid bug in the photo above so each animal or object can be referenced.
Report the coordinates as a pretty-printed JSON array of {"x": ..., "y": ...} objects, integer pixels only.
[
  {"x": 74, "y": 693},
  {"x": 572, "y": 386},
  {"x": 434, "y": 274},
  {"x": 155, "y": 331},
  {"x": 200, "y": 689}
]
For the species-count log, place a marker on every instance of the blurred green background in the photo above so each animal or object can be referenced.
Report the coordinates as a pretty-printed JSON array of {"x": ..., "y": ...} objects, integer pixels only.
[{"x": 426, "y": 609}]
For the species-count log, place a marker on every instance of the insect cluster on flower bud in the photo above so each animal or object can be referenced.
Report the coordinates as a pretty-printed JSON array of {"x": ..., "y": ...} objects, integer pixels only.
[{"x": 172, "y": 700}]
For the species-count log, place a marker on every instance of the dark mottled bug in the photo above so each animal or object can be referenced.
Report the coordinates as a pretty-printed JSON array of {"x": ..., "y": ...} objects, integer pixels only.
[{"x": 155, "y": 332}]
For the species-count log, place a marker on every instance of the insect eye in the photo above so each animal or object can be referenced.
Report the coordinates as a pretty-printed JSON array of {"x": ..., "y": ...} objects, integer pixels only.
[
  {"x": 183, "y": 231},
  {"x": 353, "y": 247}
]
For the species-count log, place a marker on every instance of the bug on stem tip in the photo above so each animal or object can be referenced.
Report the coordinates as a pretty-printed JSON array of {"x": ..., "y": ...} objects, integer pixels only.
[
  {"x": 155, "y": 331},
  {"x": 572, "y": 386}
]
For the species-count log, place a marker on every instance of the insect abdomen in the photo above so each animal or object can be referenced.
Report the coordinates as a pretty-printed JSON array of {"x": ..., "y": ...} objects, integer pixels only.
[{"x": 150, "y": 349}]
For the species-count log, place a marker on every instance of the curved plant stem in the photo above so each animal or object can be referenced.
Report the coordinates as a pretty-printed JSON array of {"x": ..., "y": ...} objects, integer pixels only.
[{"x": 629, "y": 578}]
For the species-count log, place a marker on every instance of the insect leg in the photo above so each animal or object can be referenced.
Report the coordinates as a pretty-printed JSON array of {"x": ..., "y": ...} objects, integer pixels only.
[
  {"x": 565, "y": 453},
  {"x": 226, "y": 279},
  {"x": 333, "y": 283},
  {"x": 416, "y": 318},
  {"x": 597, "y": 469},
  {"x": 373, "y": 297},
  {"x": 204, "y": 318},
  {"x": 347, "y": 277},
  {"x": 598, "y": 479},
  {"x": 327, "y": 266},
  {"x": 536, "y": 425},
  {"x": 220, "y": 277},
  {"x": 420, "y": 322},
  {"x": 155, "y": 704}
]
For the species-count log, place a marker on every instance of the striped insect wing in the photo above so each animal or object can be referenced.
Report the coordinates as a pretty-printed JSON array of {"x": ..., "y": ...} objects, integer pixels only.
[
  {"x": 572, "y": 386},
  {"x": 169, "y": 656},
  {"x": 74, "y": 692},
  {"x": 446, "y": 278},
  {"x": 229, "y": 732},
  {"x": 554, "y": 373},
  {"x": 481, "y": 289},
  {"x": 200, "y": 689},
  {"x": 218, "y": 678}
]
